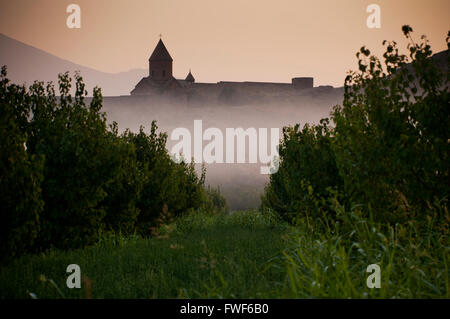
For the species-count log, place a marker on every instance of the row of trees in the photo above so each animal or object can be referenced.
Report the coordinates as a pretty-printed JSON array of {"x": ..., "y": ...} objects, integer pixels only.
[
  {"x": 67, "y": 176},
  {"x": 386, "y": 150}
]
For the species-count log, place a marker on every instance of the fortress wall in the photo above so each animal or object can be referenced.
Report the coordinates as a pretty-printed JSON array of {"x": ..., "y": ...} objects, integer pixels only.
[
  {"x": 256, "y": 88},
  {"x": 257, "y": 85},
  {"x": 303, "y": 83}
]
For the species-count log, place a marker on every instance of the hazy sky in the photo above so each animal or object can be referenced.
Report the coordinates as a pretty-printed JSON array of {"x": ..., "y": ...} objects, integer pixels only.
[{"x": 256, "y": 40}]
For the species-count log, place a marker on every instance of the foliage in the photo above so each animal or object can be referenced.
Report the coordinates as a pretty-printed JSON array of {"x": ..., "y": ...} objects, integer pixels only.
[
  {"x": 308, "y": 168},
  {"x": 124, "y": 191},
  {"x": 387, "y": 150},
  {"x": 249, "y": 255},
  {"x": 214, "y": 202},
  {"x": 79, "y": 163},
  {"x": 328, "y": 256},
  {"x": 392, "y": 132},
  {"x": 184, "y": 264},
  {"x": 20, "y": 174},
  {"x": 175, "y": 185},
  {"x": 68, "y": 177}
]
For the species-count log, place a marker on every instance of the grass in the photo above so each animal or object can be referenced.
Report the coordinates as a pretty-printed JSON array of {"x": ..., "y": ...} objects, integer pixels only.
[
  {"x": 248, "y": 255},
  {"x": 328, "y": 259},
  {"x": 197, "y": 256}
]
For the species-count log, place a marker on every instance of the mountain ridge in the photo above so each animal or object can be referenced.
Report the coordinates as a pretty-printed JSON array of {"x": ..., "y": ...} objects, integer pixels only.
[{"x": 26, "y": 63}]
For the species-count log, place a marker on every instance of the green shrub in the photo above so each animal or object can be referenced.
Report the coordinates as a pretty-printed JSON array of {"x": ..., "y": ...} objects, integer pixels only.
[
  {"x": 214, "y": 202},
  {"x": 20, "y": 174},
  {"x": 79, "y": 162},
  {"x": 68, "y": 178},
  {"x": 124, "y": 190},
  {"x": 170, "y": 186},
  {"x": 387, "y": 150},
  {"x": 392, "y": 131},
  {"x": 307, "y": 171},
  {"x": 328, "y": 257}
]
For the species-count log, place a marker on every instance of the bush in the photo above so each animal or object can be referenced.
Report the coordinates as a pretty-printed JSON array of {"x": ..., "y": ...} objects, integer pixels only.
[
  {"x": 123, "y": 192},
  {"x": 79, "y": 162},
  {"x": 214, "y": 202},
  {"x": 20, "y": 174},
  {"x": 67, "y": 177},
  {"x": 392, "y": 132},
  {"x": 170, "y": 186},
  {"x": 328, "y": 257},
  {"x": 388, "y": 150},
  {"x": 307, "y": 171}
]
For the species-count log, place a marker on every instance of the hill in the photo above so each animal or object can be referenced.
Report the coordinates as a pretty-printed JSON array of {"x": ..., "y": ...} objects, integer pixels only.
[{"x": 27, "y": 64}]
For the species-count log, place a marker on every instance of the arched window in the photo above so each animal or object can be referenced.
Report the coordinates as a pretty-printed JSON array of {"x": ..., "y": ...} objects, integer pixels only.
[
  {"x": 153, "y": 72},
  {"x": 164, "y": 73}
]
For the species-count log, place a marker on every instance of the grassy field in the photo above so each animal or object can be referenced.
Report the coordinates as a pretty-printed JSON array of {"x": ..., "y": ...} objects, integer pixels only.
[
  {"x": 245, "y": 255},
  {"x": 197, "y": 256}
]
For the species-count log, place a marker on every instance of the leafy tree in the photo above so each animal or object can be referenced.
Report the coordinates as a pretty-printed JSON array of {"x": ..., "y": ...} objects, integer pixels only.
[
  {"x": 392, "y": 131},
  {"x": 79, "y": 162},
  {"x": 388, "y": 150},
  {"x": 175, "y": 185},
  {"x": 125, "y": 189},
  {"x": 214, "y": 202},
  {"x": 67, "y": 177},
  {"x": 307, "y": 170},
  {"x": 20, "y": 174}
]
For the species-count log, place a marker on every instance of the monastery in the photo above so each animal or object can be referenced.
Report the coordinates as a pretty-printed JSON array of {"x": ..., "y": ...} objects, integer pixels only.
[{"x": 161, "y": 81}]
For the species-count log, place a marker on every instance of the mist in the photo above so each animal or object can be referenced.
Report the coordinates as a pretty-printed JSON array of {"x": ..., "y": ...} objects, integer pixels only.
[{"x": 241, "y": 184}]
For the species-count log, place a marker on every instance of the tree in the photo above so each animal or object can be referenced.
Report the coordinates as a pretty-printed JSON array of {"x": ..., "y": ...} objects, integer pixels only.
[
  {"x": 392, "y": 131},
  {"x": 79, "y": 162},
  {"x": 307, "y": 170},
  {"x": 167, "y": 184},
  {"x": 21, "y": 174},
  {"x": 388, "y": 151}
]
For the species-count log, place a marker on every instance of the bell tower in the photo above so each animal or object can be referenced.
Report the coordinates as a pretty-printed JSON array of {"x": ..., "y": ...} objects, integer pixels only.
[{"x": 160, "y": 63}]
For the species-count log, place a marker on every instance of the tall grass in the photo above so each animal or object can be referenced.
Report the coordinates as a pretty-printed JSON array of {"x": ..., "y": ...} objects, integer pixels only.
[
  {"x": 248, "y": 255},
  {"x": 329, "y": 258},
  {"x": 198, "y": 255}
]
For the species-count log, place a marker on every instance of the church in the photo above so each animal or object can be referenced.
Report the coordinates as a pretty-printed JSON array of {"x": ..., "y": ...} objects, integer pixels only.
[{"x": 160, "y": 81}]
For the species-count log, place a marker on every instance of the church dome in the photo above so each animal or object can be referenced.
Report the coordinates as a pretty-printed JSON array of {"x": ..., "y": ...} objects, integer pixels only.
[
  {"x": 190, "y": 77},
  {"x": 160, "y": 53}
]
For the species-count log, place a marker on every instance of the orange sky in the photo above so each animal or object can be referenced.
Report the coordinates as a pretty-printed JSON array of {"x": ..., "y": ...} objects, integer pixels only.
[{"x": 255, "y": 40}]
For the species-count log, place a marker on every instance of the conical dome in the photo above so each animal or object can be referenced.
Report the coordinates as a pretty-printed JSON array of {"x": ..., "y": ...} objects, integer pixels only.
[
  {"x": 160, "y": 53},
  {"x": 190, "y": 77}
]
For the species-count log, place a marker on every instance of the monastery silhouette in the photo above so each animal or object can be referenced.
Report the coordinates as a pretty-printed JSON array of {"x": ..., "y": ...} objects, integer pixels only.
[{"x": 161, "y": 81}]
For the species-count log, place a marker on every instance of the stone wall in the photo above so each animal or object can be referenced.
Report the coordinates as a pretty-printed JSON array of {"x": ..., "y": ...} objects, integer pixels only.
[{"x": 303, "y": 83}]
